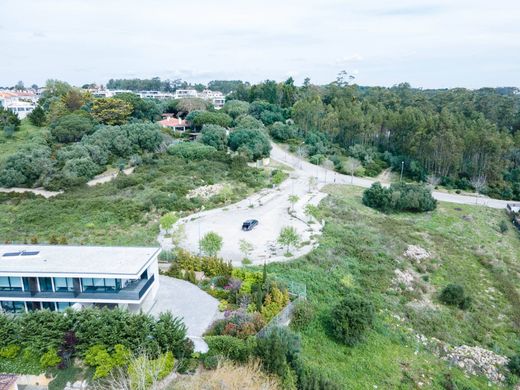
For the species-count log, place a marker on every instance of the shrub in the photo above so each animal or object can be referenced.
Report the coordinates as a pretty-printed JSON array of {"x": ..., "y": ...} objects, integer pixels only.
[
  {"x": 252, "y": 143},
  {"x": 302, "y": 315},
  {"x": 50, "y": 358},
  {"x": 453, "y": 295},
  {"x": 210, "y": 362},
  {"x": 71, "y": 127},
  {"x": 351, "y": 318},
  {"x": 10, "y": 352},
  {"x": 399, "y": 197},
  {"x": 193, "y": 151},
  {"x": 215, "y": 136},
  {"x": 231, "y": 348},
  {"x": 514, "y": 365},
  {"x": 278, "y": 349},
  {"x": 504, "y": 226}
]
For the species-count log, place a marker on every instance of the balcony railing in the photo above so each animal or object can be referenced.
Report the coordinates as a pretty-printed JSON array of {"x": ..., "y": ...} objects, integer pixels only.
[{"x": 132, "y": 292}]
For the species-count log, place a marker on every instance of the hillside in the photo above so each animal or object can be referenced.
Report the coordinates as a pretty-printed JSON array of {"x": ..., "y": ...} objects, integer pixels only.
[{"x": 363, "y": 250}]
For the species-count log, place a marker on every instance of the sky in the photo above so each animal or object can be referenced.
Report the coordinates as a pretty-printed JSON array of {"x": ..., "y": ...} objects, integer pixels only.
[{"x": 428, "y": 43}]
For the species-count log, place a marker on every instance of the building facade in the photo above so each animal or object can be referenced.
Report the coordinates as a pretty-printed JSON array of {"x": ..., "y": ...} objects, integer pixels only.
[{"x": 55, "y": 277}]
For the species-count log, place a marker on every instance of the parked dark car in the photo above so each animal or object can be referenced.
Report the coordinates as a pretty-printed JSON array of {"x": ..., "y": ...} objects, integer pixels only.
[{"x": 249, "y": 224}]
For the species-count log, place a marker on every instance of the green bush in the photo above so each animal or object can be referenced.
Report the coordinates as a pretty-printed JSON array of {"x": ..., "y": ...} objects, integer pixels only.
[
  {"x": 233, "y": 348},
  {"x": 351, "y": 318},
  {"x": 514, "y": 365},
  {"x": 278, "y": 349},
  {"x": 302, "y": 314},
  {"x": 214, "y": 135},
  {"x": 399, "y": 197},
  {"x": 453, "y": 295},
  {"x": 504, "y": 226},
  {"x": 50, "y": 359},
  {"x": 252, "y": 143},
  {"x": 193, "y": 151},
  {"x": 10, "y": 352}
]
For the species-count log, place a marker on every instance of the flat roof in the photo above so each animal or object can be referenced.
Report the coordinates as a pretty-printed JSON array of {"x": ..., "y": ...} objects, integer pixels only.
[{"x": 75, "y": 261}]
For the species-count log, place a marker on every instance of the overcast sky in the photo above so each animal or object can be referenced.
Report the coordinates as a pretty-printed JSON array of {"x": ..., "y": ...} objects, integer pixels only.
[{"x": 428, "y": 43}]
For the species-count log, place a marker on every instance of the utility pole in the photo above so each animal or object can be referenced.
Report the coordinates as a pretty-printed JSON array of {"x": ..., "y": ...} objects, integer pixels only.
[{"x": 402, "y": 169}]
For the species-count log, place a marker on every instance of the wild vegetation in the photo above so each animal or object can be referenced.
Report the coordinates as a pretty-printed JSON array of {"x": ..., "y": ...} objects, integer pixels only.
[{"x": 366, "y": 253}]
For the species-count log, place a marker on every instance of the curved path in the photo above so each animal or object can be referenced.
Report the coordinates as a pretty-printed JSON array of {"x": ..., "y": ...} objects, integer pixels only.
[
  {"x": 329, "y": 176},
  {"x": 273, "y": 211}
]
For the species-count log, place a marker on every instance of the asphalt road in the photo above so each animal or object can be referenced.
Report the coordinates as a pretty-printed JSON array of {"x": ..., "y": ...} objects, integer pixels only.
[
  {"x": 271, "y": 208},
  {"x": 329, "y": 176}
]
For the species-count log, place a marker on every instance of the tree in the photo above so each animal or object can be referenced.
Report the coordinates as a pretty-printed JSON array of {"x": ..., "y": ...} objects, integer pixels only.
[
  {"x": 351, "y": 165},
  {"x": 9, "y": 121},
  {"x": 37, "y": 116},
  {"x": 73, "y": 99},
  {"x": 433, "y": 181},
  {"x": 211, "y": 244},
  {"x": 246, "y": 247},
  {"x": 214, "y": 135},
  {"x": 201, "y": 118},
  {"x": 111, "y": 111},
  {"x": 293, "y": 199},
  {"x": 188, "y": 105},
  {"x": 253, "y": 143},
  {"x": 235, "y": 108},
  {"x": 478, "y": 183},
  {"x": 351, "y": 318},
  {"x": 71, "y": 128},
  {"x": 288, "y": 237}
]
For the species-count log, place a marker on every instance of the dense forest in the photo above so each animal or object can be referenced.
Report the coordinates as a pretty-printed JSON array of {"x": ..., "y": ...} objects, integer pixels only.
[
  {"x": 455, "y": 137},
  {"x": 458, "y": 138}
]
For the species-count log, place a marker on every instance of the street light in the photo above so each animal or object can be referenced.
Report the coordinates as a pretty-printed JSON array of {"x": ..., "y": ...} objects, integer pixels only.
[{"x": 402, "y": 169}]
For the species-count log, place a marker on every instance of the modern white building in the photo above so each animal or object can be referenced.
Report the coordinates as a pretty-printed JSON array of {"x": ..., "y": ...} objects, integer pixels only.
[
  {"x": 56, "y": 277},
  {"x": 19, "y": 102}
]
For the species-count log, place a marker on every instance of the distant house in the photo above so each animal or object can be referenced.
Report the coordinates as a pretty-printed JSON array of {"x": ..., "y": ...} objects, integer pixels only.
[
  {"x": 173, "y": 123},
  {"x": 19, "y": 102}
]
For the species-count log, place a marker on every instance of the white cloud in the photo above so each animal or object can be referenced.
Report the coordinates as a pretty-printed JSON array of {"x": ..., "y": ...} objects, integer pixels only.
[{"x": 434, "y": 44}]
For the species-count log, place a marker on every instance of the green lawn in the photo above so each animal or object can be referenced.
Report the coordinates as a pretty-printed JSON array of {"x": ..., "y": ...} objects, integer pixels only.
[
  {"x": 125, "y": 211},
  {"x": 361, "y": 249}
]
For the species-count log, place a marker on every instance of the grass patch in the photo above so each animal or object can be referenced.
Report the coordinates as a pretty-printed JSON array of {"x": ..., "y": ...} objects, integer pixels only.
[
  {"x": 125, "y": 211},
  {"x": 26, "y": 135},
  {"x": 361, "y": 248}
]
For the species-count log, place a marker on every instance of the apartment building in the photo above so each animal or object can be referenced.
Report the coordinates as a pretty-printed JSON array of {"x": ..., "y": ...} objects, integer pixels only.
[{"x": 56, "y": 277}]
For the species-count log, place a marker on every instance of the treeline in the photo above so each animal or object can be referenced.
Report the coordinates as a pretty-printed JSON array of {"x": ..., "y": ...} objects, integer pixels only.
[{"x": 454, "y": 137}]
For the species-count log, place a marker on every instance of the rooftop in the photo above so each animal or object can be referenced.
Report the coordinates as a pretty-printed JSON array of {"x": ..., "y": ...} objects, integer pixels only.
[{"x": 74, "y": 261}]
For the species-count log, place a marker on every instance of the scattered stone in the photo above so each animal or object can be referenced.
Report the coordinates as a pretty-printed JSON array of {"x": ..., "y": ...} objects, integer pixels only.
[
  {"x": 467, "y": 218},
  {"x": 205, "y": 192},
  {"x": 415, "y": 252},
  {"x": 478, "y": 361},
  {"x": 405, "y": 280}
]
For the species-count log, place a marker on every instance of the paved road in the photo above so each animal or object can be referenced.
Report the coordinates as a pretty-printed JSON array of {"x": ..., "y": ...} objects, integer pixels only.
[
  {"x": 197, "y": 308},
  {"x": 329, "y": 176},
  {"x": 271, "y": 208}
]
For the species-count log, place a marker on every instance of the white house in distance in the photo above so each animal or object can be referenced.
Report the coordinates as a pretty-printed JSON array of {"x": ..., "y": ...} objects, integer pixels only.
[
  {"x": 22, "y": 103},
  {"x": 56, "y": 277}
]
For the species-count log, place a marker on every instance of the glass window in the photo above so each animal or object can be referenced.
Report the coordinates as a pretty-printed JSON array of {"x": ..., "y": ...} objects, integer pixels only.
[
  {"x": 100, "y": 285},
  {"x": 49, "y": 305},
  {"x": 63, "y": 284},
  {"x": 10, "y": 283},
  {"x": 12, "y": 307},
  {"x": 45, "y": 284},
  {"x": 61, "y": 306}
]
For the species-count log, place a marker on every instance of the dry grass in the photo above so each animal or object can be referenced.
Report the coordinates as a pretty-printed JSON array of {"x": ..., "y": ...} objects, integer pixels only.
[{"x": 229, "y": 376}]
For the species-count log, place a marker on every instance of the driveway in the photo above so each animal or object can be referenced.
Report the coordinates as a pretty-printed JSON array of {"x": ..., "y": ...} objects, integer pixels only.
[
  {"x": 273, "y": 211},
  {"x": 183, "y": 299}
]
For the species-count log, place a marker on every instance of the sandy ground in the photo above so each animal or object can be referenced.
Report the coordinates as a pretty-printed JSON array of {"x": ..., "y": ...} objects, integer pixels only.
[
  {"x": 271, "y": 208},
  {"x": 37, "y": 191},
  {"x": 105, "y": 177}
]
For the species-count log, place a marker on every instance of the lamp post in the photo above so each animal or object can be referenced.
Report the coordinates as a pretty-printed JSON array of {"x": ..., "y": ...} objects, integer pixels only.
[{"x": 402, "y": 169}]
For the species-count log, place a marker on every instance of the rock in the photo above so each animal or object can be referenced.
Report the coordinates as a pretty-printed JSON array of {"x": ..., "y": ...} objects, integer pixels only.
[
  {"x": 415, "y": 252},
  {"x": 478, "y": 361}
]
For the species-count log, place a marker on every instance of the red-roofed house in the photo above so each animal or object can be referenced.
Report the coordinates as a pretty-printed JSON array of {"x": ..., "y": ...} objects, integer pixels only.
[{"x": 173, "y": 123}]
